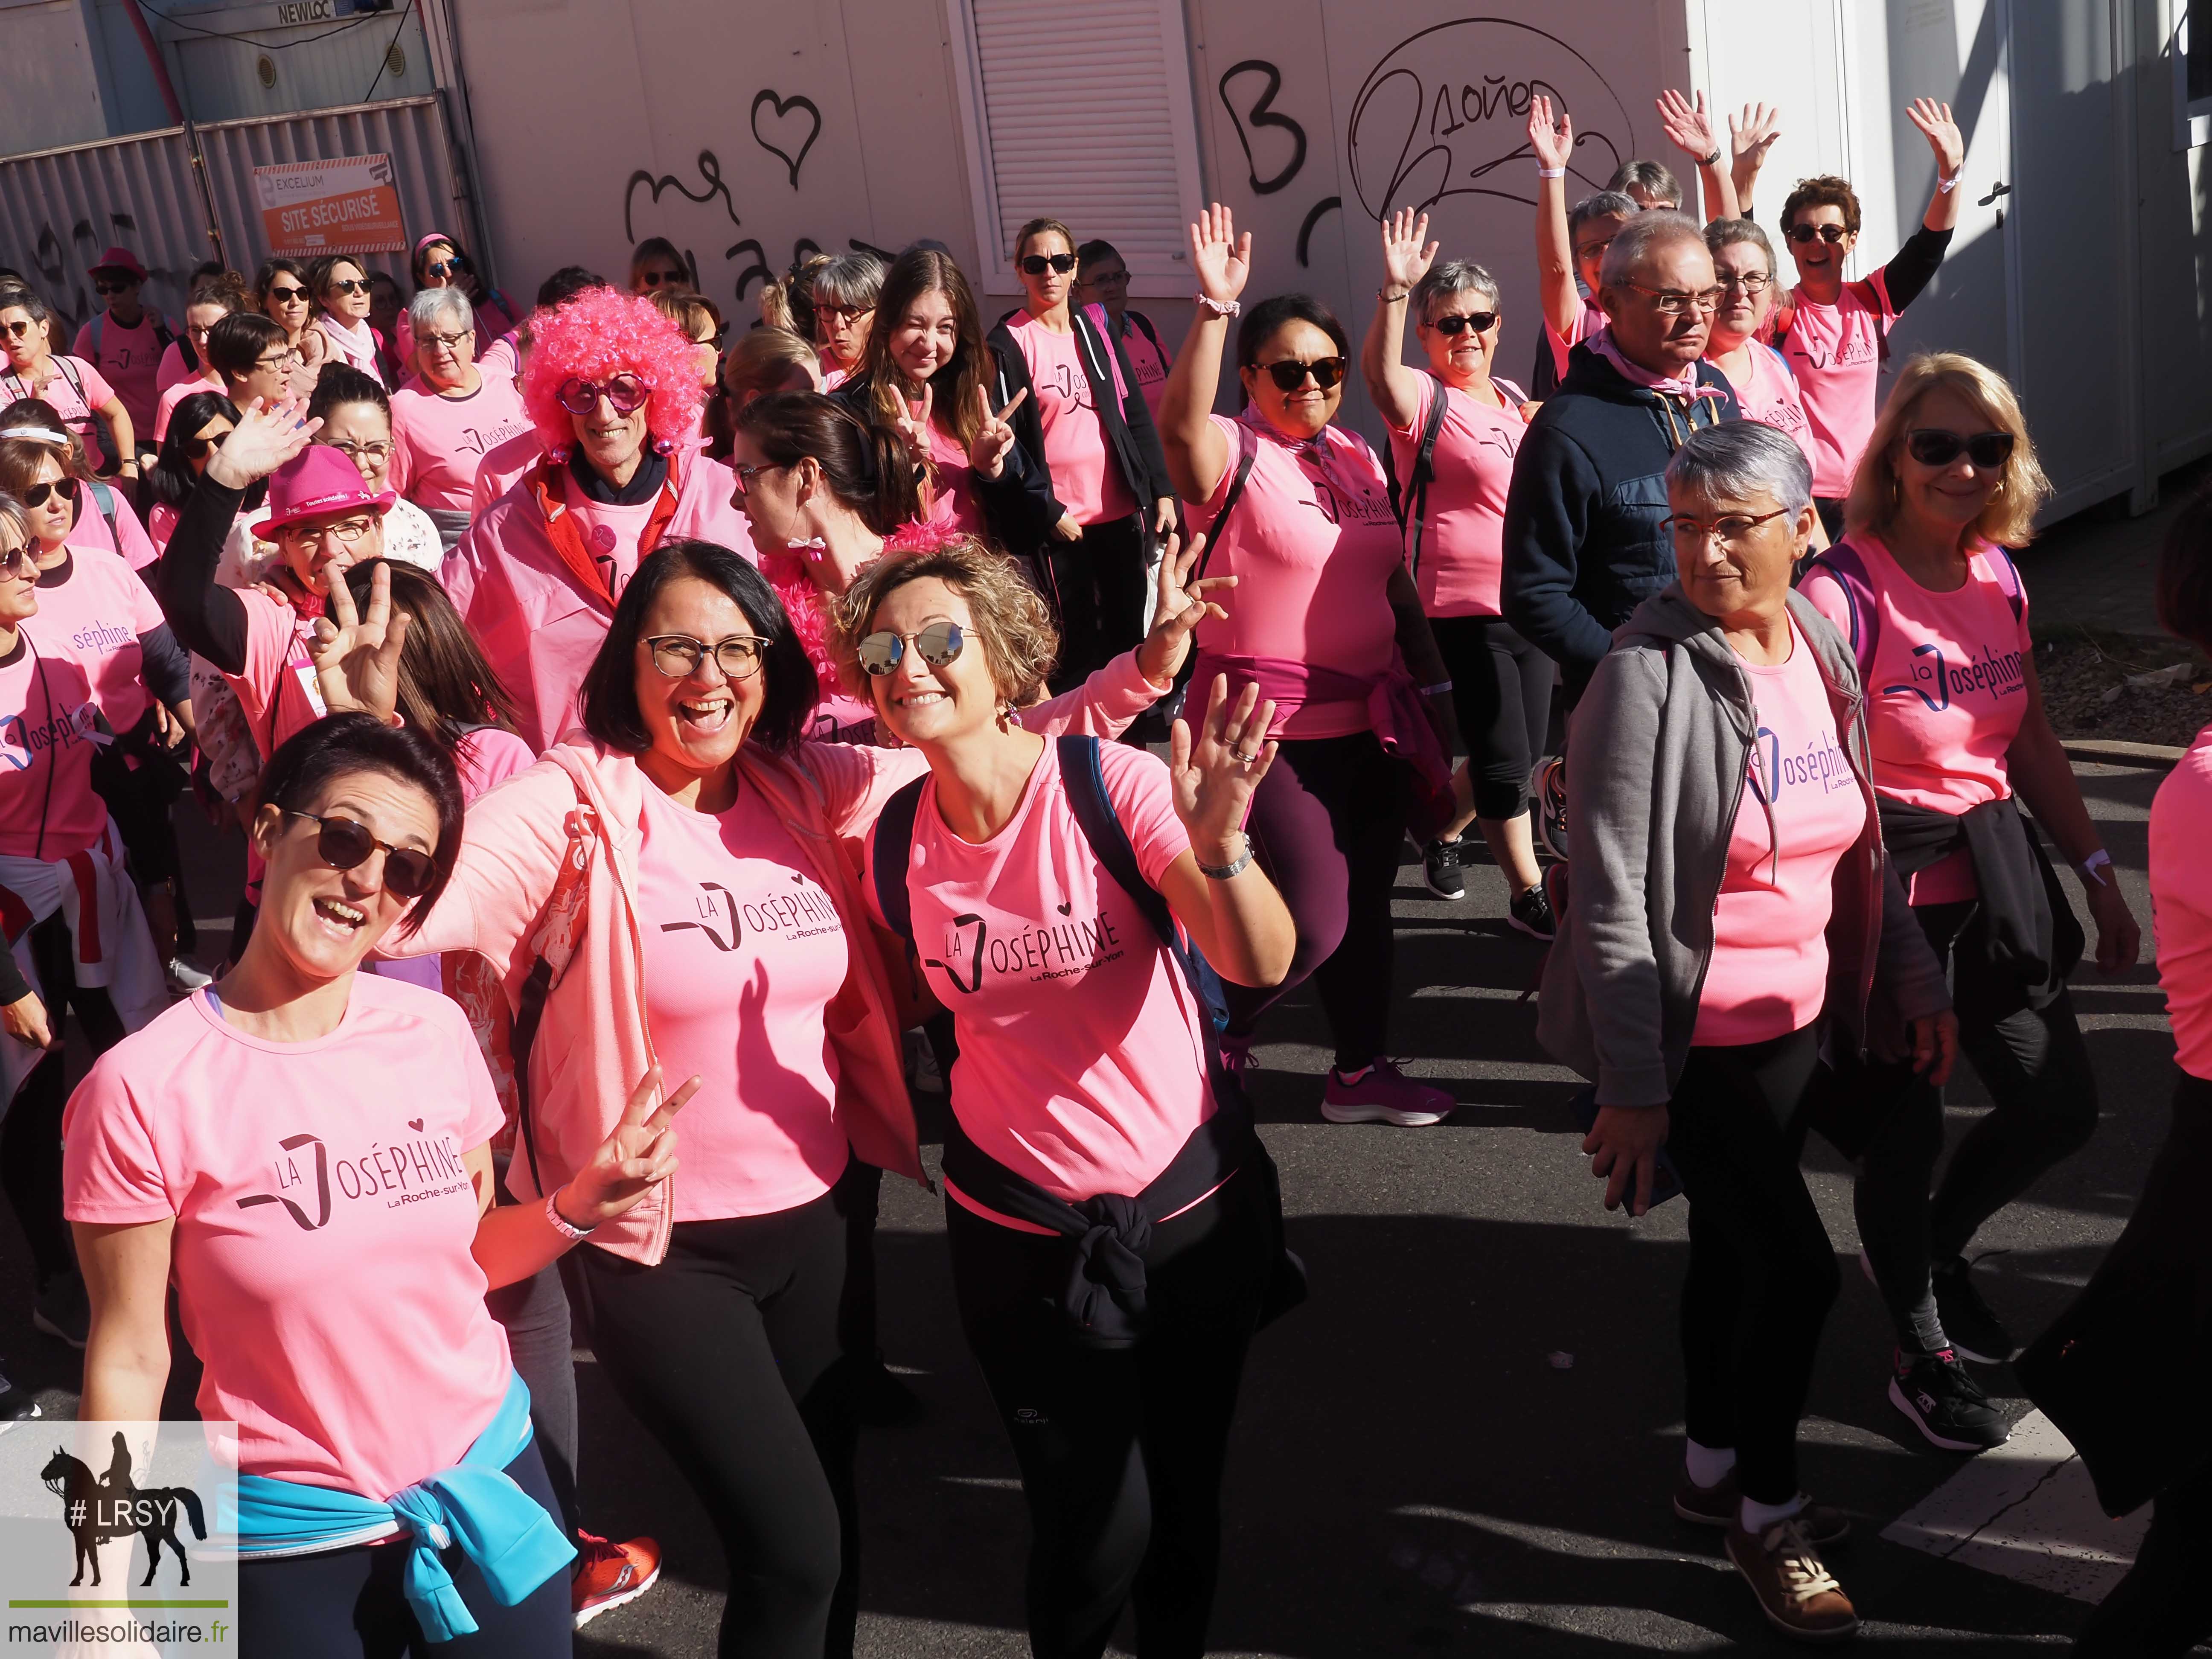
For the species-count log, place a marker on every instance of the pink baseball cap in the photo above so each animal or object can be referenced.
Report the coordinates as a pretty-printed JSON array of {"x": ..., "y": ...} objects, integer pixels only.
[
  {"x": 122, "y": 259},
  {"x": 319, "y": 479}
]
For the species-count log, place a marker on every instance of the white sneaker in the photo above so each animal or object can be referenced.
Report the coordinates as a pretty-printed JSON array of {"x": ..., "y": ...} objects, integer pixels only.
[{"x": 184, "y": 978}]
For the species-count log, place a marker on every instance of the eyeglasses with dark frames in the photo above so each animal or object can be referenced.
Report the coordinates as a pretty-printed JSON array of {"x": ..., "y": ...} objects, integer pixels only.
[
  {"x": 1674, "y": 301},
  {"x": 1452, "y": 327},
  {"x": 345, "y": 844},
  {"x": 1933, "y": 446},
  {"x": 1832, "y": 234},
  {"x": 1731, "y": 527},
  {"x": 1289, "y": 373},
  {"x": 678, "y": 656},
  {"x": 38, "y": 493},
  {"x": 1036, "y": 264},
  {"x": 349, "y": 285}
]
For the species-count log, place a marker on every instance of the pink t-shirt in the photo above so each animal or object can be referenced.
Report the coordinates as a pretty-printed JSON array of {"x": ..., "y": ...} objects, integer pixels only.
[
  {"x": 1085, "y": 477},
  {"x": 1313, "y": 544},
  {"x": 1149, "y": 362},
  {"x": 832, "y": 376},
  {"x": 1082, "y": 1061},
  {"x": 1835, "y": 351},
  {"x": 487, "y": 756},
  {"x": 1770, "y": 395},
  {"x": 1769, "y": 972},
  {"x": 175, "y": 394},
  {"x": 94, "y": 606},
  {"x": 75, "y": 390},
  {"x": 1947, "y": 692},
  {"x": 437, "y": 442},
  {"x": 1588, "y": 321},
  {"x": 743, "y": 952},
  {"x": 128, "y": 360},
  {"x": 278, "y": 689},
  {"x": 47, "y": 807},
  {"x": 610, "y": 533},
  {"x": 160, "y": 524},
  {"x": 1464, "y": 521},
  {"x": 324, "y": 1219},
  {"x": 953, "y": 492},
  {"x": 2181, "y": 902}
]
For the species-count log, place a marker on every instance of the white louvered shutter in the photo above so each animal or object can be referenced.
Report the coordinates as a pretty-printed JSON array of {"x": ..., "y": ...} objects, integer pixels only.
[{"x": 1083, "y": 114}]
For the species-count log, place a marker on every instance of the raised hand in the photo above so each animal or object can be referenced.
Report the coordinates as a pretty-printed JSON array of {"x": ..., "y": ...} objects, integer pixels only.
[
  {"x": 1942, "y": 132},
  {"x": 994, "y": 436},
  {"x": 1751, "y": 133},
  {"x": 357, "y": 658},
  {"x": 1181, "y": 605},
  {"x": 1215, "y": 772},
  {"x": 1554, "y": 146},
  {"x": 632, "y": 1161},
  {"x": 1222, "y": 258},
  {"x": 1686, "y": 126},
  {"x": 263, "y": 440},
  {"x": 1405, "y": 259}
]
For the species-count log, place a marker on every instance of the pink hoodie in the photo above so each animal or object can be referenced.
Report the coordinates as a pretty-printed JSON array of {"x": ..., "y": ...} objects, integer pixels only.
[
  {"x": 538, "y": 624},
  {"x": 548, "y": 871}
]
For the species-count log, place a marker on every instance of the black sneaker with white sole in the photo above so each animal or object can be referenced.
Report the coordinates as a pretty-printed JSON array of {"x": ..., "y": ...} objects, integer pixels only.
[
  {"x": 1945, "y": 1403},
  {"x": 1440, "y": 869},
  {"x": 1531, "y": 912},
  {"x": 1975, "y": 1331}
]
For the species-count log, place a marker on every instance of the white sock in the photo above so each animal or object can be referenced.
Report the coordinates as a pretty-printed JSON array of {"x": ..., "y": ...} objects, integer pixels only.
[
  {"x": 1757, "y": 1517},
  {"x": 1708, "y": 1465}
]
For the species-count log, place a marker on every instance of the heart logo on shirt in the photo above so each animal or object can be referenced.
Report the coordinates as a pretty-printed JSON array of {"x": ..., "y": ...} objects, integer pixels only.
[
  {"x": 415, "y": 1124},
  {"x": 1066, "y": 908},
  {"x": 797, "y": 876}
]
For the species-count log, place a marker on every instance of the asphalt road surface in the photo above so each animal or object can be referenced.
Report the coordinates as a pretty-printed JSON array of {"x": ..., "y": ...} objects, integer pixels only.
[{"x": 1465, "y": 1442}]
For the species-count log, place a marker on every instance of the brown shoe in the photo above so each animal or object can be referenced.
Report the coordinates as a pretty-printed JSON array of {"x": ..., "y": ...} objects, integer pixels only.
[
  {"x": 1718, "y": 1505},
  {"x": 1795, "y": 1590}
]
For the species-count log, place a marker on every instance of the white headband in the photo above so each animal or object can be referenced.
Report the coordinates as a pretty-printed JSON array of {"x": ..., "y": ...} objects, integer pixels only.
[{"x": 44, "y": 434}]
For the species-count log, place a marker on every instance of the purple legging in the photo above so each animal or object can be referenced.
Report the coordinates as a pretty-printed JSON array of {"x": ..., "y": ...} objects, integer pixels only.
[{"x": 1326, "y": 825}]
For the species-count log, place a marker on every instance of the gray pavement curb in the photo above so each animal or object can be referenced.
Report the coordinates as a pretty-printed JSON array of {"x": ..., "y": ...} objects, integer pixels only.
[{"x": 2157, "y": 754}]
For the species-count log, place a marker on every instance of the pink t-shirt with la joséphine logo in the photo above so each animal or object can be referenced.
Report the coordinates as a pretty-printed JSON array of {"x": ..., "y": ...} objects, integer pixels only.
[{"x": 1085, "y": 477}]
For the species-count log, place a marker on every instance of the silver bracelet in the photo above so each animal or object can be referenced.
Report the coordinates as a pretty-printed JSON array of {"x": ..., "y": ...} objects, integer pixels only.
[
  {"x": 563, "y": 1225},
  {"x": 1223, "y": 871},
  {"x": 1219, "y": 307}
]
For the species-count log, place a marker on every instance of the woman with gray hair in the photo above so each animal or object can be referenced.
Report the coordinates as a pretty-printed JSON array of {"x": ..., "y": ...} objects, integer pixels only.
[
  {"x": 1733, "y": 914},
  {"x": 449, "y": 412},
  {"x": 1454, "y": 432},
  {"x": 845, "y": 291}
]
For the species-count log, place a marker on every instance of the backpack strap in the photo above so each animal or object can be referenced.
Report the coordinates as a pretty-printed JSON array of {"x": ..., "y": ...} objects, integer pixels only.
[
  {"x": 893, "y": 851},
  {"x": 1144, "y": 323},
  {"x": 1848, "y": 566},
  {"x": 1871, "y": 298},
  {"x": 1414, "y": 507},
  {"x": 106, "y": 498},
  {"x": 1247, "y": 453},
  {"x": 99, "y": 321},
  {"x": 2009, "y": 580}
]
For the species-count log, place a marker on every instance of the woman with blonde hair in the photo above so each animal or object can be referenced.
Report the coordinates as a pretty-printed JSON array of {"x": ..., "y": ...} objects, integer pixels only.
[{"x": 1924, "y": 586}]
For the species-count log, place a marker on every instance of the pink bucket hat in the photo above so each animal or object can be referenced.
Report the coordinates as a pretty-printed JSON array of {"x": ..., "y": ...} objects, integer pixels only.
[
  {"x": 319, "y": 479},
  {"x": 122, "y": 259}
]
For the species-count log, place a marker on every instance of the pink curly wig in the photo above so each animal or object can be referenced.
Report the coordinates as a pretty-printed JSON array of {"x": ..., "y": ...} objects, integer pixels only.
[{"x": 601, "y": 333}]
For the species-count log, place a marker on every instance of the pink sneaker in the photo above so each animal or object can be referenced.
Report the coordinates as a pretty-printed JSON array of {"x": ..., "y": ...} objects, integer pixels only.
[{"x": 1383, "y": 1094}]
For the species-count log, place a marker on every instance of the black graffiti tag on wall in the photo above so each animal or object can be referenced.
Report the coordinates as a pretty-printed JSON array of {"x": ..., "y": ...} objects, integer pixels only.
[
  {"x": 710, "y": 178},
  {"x": 1263, "y": 114},
  {"x": 1445, "y": 112},
  {"x": 783, "y": 107}
]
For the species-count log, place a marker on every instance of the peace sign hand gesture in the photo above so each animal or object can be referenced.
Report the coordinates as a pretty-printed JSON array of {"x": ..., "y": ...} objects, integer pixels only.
[
  {"x": 1215, "y": 772},
  {"x": 1554, "y": 147},
  {"x": 631, "y": 1162},
  {"x": 914, "y": 424},
  {"x": 1222, "y": 258},
  {"x": 1406, "y": 257},
  {"x": 357, "y": 659},
  {"x": 994, "y": 436},
  {"x": 263, "y": 440},
  {"x": 1181, "y": 604}
]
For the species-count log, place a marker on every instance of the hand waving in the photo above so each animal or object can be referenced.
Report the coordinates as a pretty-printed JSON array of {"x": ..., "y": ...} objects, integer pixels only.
[
  {"x": 1686, "y": 126},
  {"x": 1751, "y": 133},
  {"x": 631, "y": 1162},
  {"x": 263, "y": 440},
  {"x": 1405, "y": 259},
  {"x": 1215, "y": 772},
  {"x": 1182, "y": 606},
  {"x": 1554, "y": 147},
  {"x": 1222, "y": 258},
  {"x": 994, "y": 436},
  {"x": 357, "y": 658},
  {"x": 1942, "y": 132}
]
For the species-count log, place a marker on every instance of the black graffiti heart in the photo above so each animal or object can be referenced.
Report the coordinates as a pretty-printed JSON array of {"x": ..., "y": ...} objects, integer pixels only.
[
  {"x": 1263, "y": 114},
  {"x": 783, "y": 107}
]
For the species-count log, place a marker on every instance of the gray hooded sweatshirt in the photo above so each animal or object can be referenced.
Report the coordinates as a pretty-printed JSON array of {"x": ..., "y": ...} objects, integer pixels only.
[{"x": 1657, "y": 761}]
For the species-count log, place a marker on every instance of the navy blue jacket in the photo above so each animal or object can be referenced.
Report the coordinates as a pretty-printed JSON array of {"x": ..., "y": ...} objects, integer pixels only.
[{"x": 1583, "y": 542}]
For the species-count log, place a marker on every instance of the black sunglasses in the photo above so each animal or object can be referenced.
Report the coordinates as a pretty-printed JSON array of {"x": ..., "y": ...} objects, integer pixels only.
[
  {"x": 457, "y": 266},
  {"x": 37, "y": 493},
  {"x": 345, "y": 845},
  {"x": 350, "y": 285},
  {"x": 112, "y": 288},
  {"x": 1037, "y": 263},
  {"x": 1480, "y": 321},
  {"x": 940, "y": 643},
  {"x": 285, "y": 297},
  {"x": 1932, "y": 447},
  {"x": 1831, "y": 234},
  {"x": 196, "y": 449},
  {"x": 1289, "y": 373}
]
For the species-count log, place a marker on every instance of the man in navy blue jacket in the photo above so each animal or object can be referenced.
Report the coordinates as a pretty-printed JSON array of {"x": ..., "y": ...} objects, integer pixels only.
[{"x": 1584, "y": 545}]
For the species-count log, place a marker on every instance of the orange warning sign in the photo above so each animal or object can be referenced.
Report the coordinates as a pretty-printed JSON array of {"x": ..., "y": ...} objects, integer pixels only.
[{"x": 348, "y": 205}]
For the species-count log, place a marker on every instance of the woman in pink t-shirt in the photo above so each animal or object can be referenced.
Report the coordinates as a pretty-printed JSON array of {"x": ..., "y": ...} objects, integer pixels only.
[
  {"x": 1764, "y": 386},
  {"x": 72, "y": 386},
  {"x": 106, "y": 517},
  {"x": 1733, "y": 908},
  {"x": 1087, "y": 425},
  {"x": 846, "y": 289},
  {"x": 1088, "y": 1094},
  {"x": 210, "y": 302},
  {"x": 286, "y": 301},
  {"x": 1925, "y": 586},
  {"x": 1454, "y": 523},
  {"x": 1328, "y": 621},
  {"x": 198, "y": 426},
  {"x": 340, "y": 289},
  {"x": 331, "y": 1230},
  {"x": 356, "y": 416},
  {"x": 437, "y": 262},
  {"x": 1102, "y": 279},
  {"x": 449, "y": 413}
]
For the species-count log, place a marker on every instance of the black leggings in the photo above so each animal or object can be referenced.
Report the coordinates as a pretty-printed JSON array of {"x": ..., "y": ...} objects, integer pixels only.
[
  {"x": 1326, "y": 825},
  {"x": 31, "y": 1135},
  {"x": 1120, "y": 1450},
  {"x": 1098, "y": 588},
  {"x": 1762, "y": 1274},
  {"x": 1502, "y": 695},
  {"x": 2036, "y": 1068},
  {"x": 728, "y": 1352},
  {"x": 338, "y": 1603}
]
